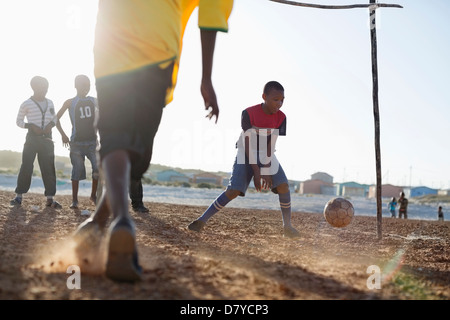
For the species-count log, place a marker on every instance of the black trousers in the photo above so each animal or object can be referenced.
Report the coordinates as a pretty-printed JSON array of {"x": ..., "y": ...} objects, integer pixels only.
[
  {"x": 136, "y": 192},
  {"x": 403, "y": 213},
  {"x": 44, "y": 149}
]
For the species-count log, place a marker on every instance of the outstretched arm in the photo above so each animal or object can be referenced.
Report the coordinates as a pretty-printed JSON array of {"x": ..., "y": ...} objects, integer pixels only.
[
  {"x": 208, "y": 39},
  {"x": 65, "y": 139}
]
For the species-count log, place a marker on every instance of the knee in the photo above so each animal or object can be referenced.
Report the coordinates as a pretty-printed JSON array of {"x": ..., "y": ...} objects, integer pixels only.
[
  {"x": 231, "y": 194},
  {"x": 283, "y": 188}
]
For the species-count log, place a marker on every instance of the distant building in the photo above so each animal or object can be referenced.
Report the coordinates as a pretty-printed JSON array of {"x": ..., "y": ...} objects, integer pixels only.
[
  {"x": 171, "y": 176},
  {"x": 207, "y": 177},
  {"x": 444, "y": 192},
  {"x": 59, "y": 165},
  {"x": 150, "y": 175},
  {"x": 294, "y": 185},
  {"x": 323, "y": 176},
  {"x": 314, "y": 187},
  {"x": 330, "y": 190},
  {"x": 66, "y": 168},
  {"x": 352, "y": 189},
  {"x": 320, "y": 183},
  {"x": 387, "y": 191},
  {"x": 225, "y": 182},
  {"x": 419, "y": 191}
]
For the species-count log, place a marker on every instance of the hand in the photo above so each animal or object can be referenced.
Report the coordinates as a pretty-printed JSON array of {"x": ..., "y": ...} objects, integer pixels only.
[
  {"x": 36, "y": 130},
  {"x": 65, "y": 141},
  {"x": 257, "y": 181},
  {"x": 48, "y": 129},
  {"x": 266, "y": 182},
  {"x": 261, "y": 181},
  {"x": 210, "y": 99}
]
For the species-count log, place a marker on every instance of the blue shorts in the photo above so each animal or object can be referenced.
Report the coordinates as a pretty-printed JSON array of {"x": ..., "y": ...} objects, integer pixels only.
[
  {"x": 242, "y": 175},
  {"x": 78, "y": 153}
]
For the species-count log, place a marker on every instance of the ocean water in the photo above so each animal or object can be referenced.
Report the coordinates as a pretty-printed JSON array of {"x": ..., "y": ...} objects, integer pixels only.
[{"x": 252, "y": 200}]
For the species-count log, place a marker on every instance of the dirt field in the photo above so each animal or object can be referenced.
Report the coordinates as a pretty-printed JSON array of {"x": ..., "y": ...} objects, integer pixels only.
[{"x": 241, "y": 255}]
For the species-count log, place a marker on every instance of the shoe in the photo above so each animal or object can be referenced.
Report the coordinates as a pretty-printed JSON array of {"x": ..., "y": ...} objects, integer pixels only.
[
  {"x": 291, "y": 232},
  {"x": 88, "y": 238},
  {"x": 140, "y": 208},
  {"x": 88, "y": 227},
  {"x": 196, "y": 225},
  {"x": 16, "y": 201},
  {"x": 122, "y": 262},
  {"x": 74, "y": 205},
  {"x": 53, "y": 204}
]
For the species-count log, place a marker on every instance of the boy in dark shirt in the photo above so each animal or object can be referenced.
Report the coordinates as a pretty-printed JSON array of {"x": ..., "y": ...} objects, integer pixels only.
[
  {"x": 403, "y": 210},
  {"x": 261, "y": 124}
]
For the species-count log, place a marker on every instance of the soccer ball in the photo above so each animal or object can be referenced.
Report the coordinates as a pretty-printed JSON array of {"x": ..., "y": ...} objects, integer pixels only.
[{"x": 339, "y": 212}]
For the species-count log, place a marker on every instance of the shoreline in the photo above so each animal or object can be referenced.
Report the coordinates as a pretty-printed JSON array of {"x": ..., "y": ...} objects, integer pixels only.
[{"x": 259, "y": 201}]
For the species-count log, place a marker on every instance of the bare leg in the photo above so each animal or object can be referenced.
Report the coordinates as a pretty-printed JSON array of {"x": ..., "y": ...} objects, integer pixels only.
[
  {"x": 122, "y": 261},
  {"x": 284, "y": 197},
  {"x": 103, "y": 210},
  {"x": 88, "y": 236},
  {"x": 75, "y": 184},
  {"x": 116, "y": 170},
  {"x": 102, "y": 213},
  {"x": 93, "y": 197}
]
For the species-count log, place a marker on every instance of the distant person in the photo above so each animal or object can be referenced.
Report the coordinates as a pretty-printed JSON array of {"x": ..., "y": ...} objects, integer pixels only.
[
  {"x": 83, "y": 143},
  {"x": 136, "y": 195},
  {"x": 83, "y": 139},
  {"x": 392, "y": 206},
  {"x": 440, "y": 214},
  {"x": 261, "y": 119},
  {"x": 41, "y": 118},
  {"x": 137, "y": 52},
  {"x": 403, "y": 206}
]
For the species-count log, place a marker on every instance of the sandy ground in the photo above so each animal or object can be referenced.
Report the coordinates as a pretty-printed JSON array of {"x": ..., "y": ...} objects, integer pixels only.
[{"x": 241, "y": 255}]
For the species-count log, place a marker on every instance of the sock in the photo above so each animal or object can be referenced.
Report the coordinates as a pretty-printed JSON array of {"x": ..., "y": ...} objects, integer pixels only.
[
  {"x": 220, "y": 202},
  {"x": 19, "y": 195},
  {"x": 285, "y": 205}
]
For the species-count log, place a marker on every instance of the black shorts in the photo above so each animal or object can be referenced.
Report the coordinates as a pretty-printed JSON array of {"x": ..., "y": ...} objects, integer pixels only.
[{"x": 130, "y": 109}]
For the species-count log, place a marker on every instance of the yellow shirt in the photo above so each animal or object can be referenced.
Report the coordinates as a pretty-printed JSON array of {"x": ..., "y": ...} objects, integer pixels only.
[{"x": 131, "y": 34}]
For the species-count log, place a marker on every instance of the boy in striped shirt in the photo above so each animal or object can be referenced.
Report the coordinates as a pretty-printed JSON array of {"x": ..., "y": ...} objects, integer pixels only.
[{"x": 41, "y": 118}]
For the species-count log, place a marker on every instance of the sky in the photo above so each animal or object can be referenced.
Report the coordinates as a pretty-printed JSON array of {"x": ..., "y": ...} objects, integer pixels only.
[{"x": 321, "y": 57}]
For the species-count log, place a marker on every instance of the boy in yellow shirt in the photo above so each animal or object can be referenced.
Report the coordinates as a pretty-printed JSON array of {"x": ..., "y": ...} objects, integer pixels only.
[{"x": 136, "y": 55}]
